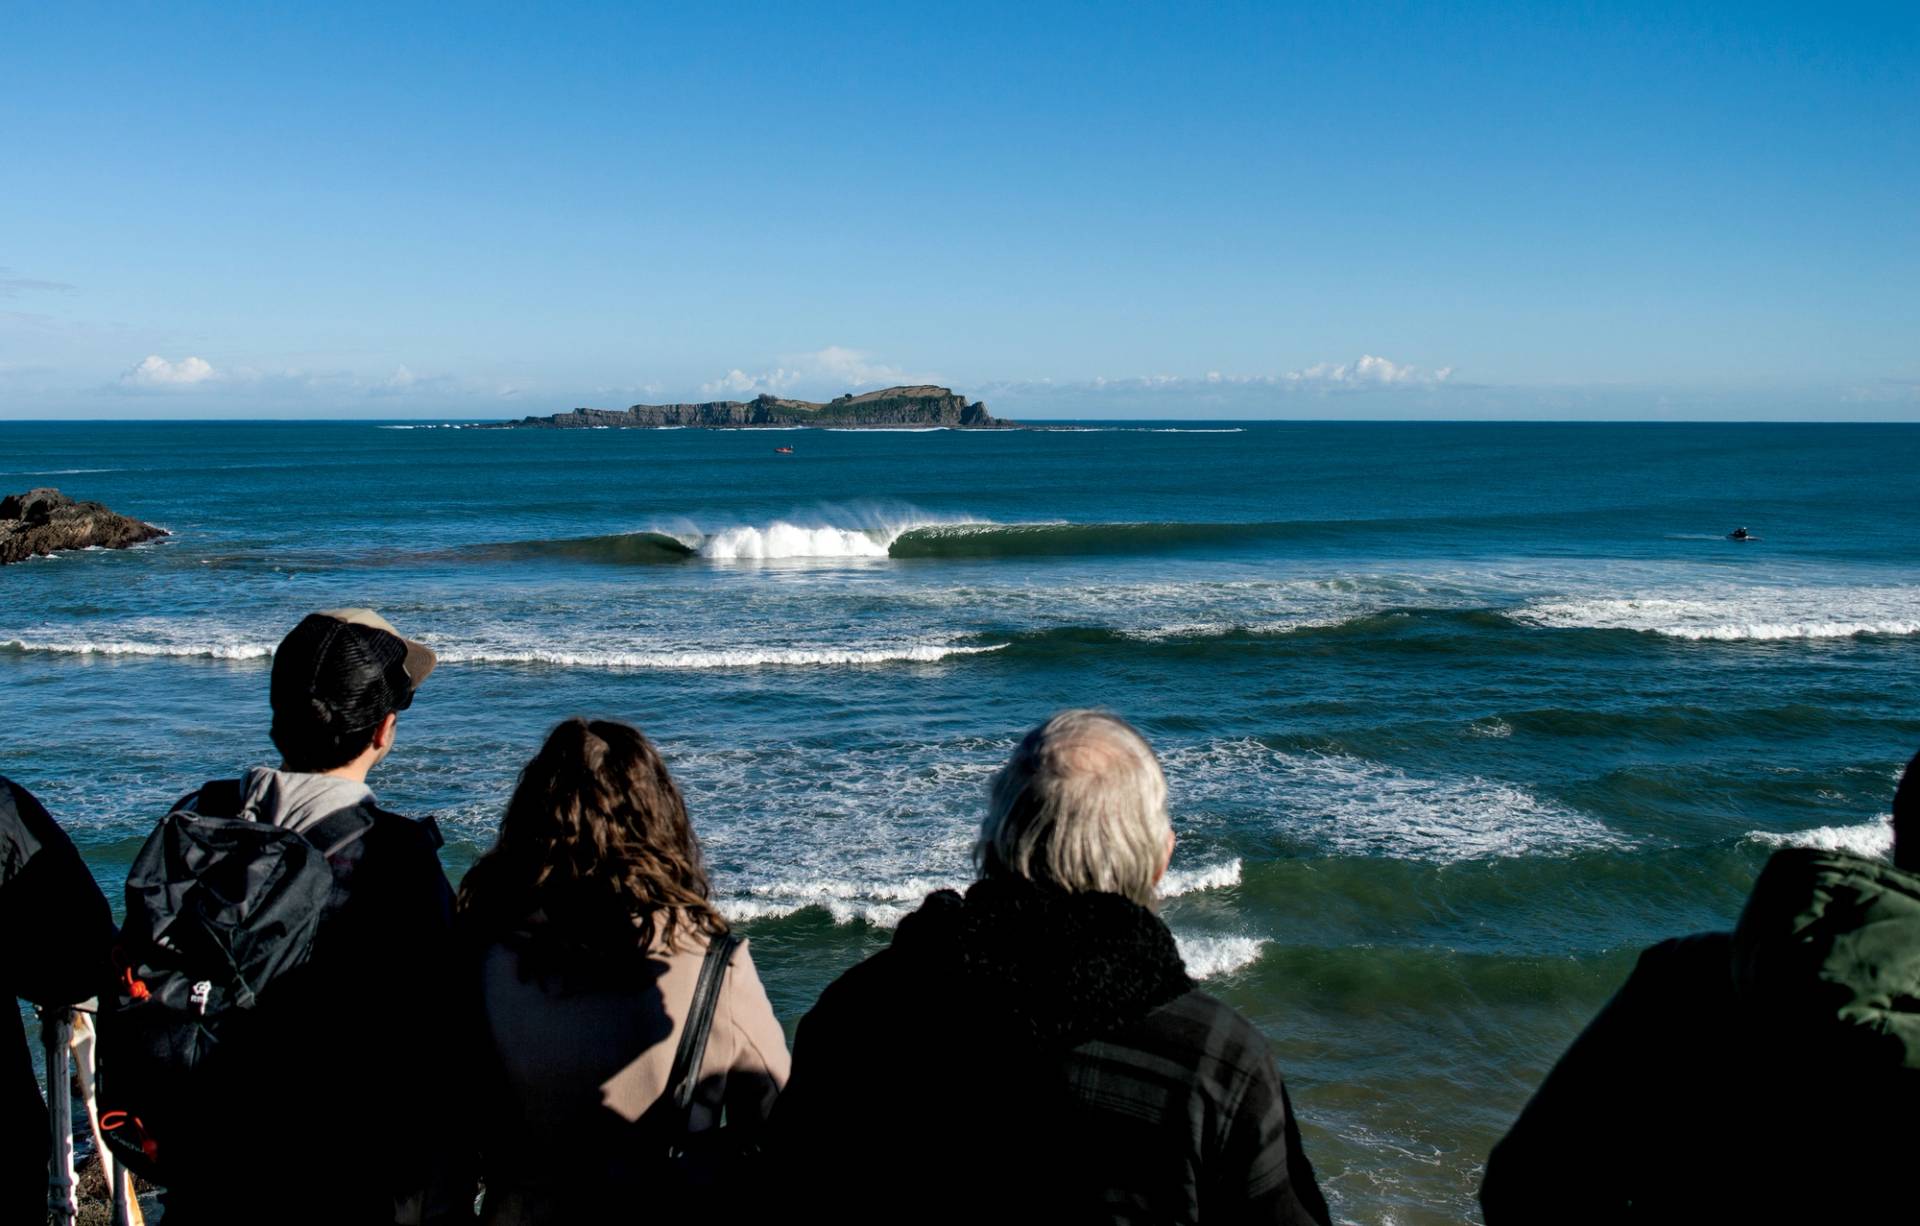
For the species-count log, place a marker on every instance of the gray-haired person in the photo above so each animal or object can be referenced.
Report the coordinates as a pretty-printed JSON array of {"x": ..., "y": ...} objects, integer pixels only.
[{"x": 1035, "y": 1049}]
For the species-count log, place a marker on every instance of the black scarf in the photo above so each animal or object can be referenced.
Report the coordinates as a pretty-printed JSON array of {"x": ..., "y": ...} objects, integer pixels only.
[{"x": 1040, "y": 965}]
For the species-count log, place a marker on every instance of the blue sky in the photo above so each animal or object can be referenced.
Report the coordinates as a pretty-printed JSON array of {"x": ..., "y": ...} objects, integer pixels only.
[{"x": 1071, "y": 210}]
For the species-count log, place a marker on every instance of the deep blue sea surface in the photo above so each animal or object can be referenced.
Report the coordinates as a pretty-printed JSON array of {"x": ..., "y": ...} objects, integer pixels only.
[{"x": 1456, "y": 718}]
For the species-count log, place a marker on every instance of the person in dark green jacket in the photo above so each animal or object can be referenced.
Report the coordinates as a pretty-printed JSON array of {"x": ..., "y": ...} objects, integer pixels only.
[
  {"x": 1767, "y": 1074},
  {"x": 55, "y": 934}
]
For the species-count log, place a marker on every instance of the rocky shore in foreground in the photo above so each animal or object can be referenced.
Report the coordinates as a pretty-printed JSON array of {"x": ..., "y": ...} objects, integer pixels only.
[
  {"x": 923, "y": 406},
  {"x": 44, "y": 521}
]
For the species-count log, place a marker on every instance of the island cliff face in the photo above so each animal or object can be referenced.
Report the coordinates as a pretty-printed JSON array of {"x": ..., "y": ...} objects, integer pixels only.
[
  {"x": 893, "y": 406},
  {"x": 43, "y": 521}
]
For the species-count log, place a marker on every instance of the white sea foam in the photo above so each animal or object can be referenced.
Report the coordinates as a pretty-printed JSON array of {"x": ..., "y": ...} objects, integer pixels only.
[
  {"x": 884, "y": 905},
  {"x": 1208, "y": 955},
  {"x": 734, "y": 657},
  {"x": 86, "y": 647},
  {"x": 784, "y": 540},
  {"x": 1220, "y": 629},
  {"x": 1874, "y": 838},
  {"x": 841, "y": 910},
  {"x": 1352, "y": 807},
  {"x": 881, "y": 903},
  {"x": 1723, "y": 614},
  {"x": 239, "y": 647},
  {"x": 1795, "y": 630},
  {"x": 1180, "y": 881},
  {"x": 865, "y": 842},
  {"x": 837, "y": 533},
  {"x": 884, "y": 902}
]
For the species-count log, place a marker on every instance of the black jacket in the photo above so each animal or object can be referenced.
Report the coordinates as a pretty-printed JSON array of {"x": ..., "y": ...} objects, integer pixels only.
[
  {"x": 1767, "y": 1074},
  {"x": 55, "y": 933},
  {"x": 333, "y": 1104},
  {"x": 1025, "y": 1054}
]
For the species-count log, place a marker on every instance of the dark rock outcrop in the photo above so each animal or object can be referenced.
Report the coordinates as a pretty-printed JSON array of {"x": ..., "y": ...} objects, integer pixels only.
[
  {"x": 893, "y": 406},
  {"x": 45, "y": 520}
]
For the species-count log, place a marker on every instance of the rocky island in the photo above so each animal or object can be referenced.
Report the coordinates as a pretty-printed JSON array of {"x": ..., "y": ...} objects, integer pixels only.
[
  {"x": 44, "y": 521},
  {"x": 894, "y": 406}
]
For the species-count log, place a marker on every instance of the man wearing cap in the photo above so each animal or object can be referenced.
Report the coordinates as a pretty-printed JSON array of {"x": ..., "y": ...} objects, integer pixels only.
[{"x": 349, "y": 1062}]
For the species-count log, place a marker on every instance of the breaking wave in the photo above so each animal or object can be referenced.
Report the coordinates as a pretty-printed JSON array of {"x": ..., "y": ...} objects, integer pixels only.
[
  {"x": 1743, "y": 615},
  {"x": 912, "y": 538},
  {"x": 710, "y": 658},
  {"x": 84, "y": 647},
  {"x": 1874, "y": 838},
  {"x": 883, "y": 904},
  {"x": 1180, "y": 881},
  {"x": 1208, "y": 955},
  {"x": 739, "y": 657}
]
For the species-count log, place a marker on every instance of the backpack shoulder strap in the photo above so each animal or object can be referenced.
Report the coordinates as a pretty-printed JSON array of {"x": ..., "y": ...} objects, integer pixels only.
[
  {"x": 215, "y": 798},
  {"x": 336, "y": 832},
  {"x": 693, "y": 1036}
]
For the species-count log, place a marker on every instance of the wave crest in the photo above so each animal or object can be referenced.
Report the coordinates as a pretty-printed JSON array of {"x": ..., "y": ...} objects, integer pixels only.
[
  {"x": 719, "y": 657},
  {"x": 1874, "y": 838},
  {"x": 1208, "y": 955},
  {"x": 912, "y": 536},
  {"x": 1743, "y": 615},
  {"x": 86, "y": 647},
  {"x": 739, "y": 657}
]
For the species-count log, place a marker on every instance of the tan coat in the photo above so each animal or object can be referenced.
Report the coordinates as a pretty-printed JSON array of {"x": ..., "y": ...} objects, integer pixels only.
[{"x": 582, "y": 1066}]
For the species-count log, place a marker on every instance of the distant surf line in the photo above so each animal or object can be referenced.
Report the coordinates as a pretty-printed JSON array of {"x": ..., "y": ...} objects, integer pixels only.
[{"x": 783, "y": 540}]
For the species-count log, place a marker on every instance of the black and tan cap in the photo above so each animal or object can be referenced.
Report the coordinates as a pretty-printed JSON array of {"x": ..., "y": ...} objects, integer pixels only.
[{"x": 346, "y": 669}]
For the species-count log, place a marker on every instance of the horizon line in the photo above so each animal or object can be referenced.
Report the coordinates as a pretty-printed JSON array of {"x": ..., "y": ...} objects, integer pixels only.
[{"x": 463, "y": 419}]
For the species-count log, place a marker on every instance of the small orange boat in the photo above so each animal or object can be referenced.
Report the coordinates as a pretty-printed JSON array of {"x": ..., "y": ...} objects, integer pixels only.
[{"x": 783, "y": 451}]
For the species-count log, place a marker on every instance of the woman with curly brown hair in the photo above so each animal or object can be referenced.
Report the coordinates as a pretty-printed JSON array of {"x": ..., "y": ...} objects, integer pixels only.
[{"x": 592, "y": 919}]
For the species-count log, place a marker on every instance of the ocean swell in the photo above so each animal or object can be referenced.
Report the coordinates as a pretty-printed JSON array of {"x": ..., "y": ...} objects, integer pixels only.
[{"x": 914, "y": 537}]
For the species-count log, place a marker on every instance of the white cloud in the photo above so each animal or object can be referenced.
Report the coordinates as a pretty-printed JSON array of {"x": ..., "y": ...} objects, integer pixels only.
[
  {"x": 826, "y": 371},
  {"x": 1368, "y": 371},
  {"x": 156, "y": 371},
  {"x": 856, "y": 368},
  {"x": 739, "y": 382},
  {"x": 404, "y": 386}
]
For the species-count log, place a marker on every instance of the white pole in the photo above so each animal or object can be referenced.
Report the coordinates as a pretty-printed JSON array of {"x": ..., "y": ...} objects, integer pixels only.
[
  {"x": 126, "y": 1209},
  {"x": 56, "y": 1030}
]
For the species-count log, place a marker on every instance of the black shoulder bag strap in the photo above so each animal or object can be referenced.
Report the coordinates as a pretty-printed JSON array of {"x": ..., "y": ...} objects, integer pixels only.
[
  {"x": 693, "y": 1036},
  {"x": 336, "y": 832}
]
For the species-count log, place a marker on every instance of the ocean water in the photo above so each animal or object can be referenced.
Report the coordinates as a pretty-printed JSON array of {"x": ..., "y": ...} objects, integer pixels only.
[{"x": 1456, "y": 718}]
